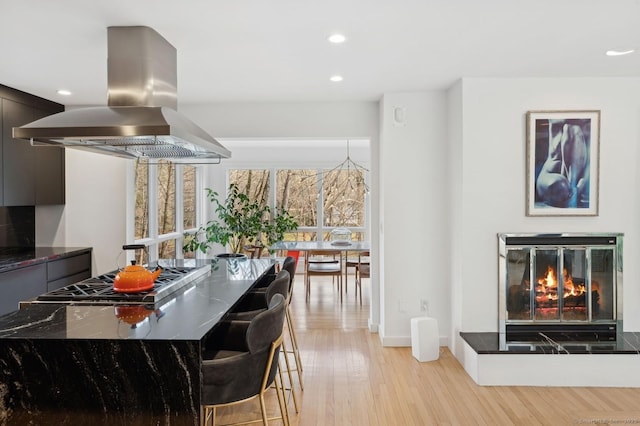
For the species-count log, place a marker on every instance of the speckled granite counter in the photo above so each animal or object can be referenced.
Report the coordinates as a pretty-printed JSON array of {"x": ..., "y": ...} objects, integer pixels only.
[
  {"x": 67, "y": 364},
  {"x": 13, "y": 258},
  {"x": 489, "y": 343}
]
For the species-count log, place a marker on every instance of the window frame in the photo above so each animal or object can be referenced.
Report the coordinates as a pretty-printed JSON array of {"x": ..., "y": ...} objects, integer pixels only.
[
  {"x": 154, "y": 238},
  {"x": 321, "y": 169}
]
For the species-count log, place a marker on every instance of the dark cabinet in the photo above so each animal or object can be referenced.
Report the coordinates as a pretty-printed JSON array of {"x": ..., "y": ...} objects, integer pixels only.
[
  {"x": 21, "y": 284},
  {"x": 30, "y": 175},
  {"x": 68, "y": 270},
  {"x": 18, "y": 157}
]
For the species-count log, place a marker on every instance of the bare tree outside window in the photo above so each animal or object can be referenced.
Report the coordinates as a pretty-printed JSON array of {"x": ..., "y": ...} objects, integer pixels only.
[
  {"x": 189, "y": 200},
  {"x": 297, "y": 191},
  {"x": 255, "y": 183},
  {"x": 343, "y": 197},
  {"x": 189, "y": 196},
  {"x": 164, "y": 207},
  {"x": 342, "y": 191},
  {"x": 142, "y": 200},
  {"x": 167, "y": 249}
]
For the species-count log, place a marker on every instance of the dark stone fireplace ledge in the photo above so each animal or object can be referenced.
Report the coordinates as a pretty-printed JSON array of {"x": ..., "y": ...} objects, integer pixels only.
[{"x": 485, "y": 343}]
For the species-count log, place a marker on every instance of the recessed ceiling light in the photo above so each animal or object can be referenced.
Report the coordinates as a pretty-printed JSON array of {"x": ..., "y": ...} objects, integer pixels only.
[
  {"x": 619, "y": 52},
  {"x": 336, "y": 78},
  {"x": 337, "y": 38},
  {"x": 64, "y": 92}
]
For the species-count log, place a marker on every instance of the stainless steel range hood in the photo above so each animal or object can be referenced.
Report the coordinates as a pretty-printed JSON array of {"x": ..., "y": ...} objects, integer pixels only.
[{"x": 140, "y": 120}]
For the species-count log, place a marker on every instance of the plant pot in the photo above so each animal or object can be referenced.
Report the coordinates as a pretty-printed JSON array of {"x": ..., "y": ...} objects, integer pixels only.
[{"x": 231, "y": 256}]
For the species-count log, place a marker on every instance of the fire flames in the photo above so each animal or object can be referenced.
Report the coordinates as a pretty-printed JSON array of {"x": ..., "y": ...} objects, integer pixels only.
[{"x": 547, "y": 287}]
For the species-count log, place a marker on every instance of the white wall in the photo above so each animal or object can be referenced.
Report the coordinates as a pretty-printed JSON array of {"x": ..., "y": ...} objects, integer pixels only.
[
  {"x": 493, "y": 195},
  {"x": 455, "y": 171},
  {"x": 414, "y": 194},
  {"x": 455, "y": 204},
  {"x": 94, "y": 213},
  {"x": 298, "y": 121}
]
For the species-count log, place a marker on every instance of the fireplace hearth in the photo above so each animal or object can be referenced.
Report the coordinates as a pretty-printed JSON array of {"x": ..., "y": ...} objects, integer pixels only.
[{"x": 560, "y": 287}]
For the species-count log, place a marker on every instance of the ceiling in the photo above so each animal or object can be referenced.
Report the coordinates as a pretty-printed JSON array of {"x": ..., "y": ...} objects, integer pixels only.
[{"x": 276, "y": 50}]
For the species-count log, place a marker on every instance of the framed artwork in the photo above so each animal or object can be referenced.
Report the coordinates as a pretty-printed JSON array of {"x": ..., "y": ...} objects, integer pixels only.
[{"x": 563, "y": 163}]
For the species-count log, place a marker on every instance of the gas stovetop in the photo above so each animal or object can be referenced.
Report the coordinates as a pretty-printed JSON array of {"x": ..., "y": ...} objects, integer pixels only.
[{"x": 99, "y": 290}]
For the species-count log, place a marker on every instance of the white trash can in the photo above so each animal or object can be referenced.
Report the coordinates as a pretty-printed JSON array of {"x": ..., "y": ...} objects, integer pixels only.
[{"x": 425, "y": 339}]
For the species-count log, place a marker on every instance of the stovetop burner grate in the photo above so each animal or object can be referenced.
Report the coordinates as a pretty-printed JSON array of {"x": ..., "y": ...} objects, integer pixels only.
[
  {"x": 99, "y": 289},
  {"x": 166, "y": 276}
]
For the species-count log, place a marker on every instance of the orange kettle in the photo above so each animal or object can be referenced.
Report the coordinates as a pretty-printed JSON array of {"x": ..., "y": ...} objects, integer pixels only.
[{"x": 134, "y": 278}]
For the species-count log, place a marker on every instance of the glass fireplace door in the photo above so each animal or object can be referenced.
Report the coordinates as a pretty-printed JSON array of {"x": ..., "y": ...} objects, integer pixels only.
[
  {"x": 560, "y": 284},
  {"x": 563, "y": 287}
]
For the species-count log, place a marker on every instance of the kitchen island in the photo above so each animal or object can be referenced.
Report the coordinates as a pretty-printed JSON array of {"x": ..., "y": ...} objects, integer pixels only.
[{"x": 117, "y": 364}]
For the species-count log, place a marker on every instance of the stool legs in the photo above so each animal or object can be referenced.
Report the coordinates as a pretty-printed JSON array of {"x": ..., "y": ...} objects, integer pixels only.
[
  {"x": 294, "y": 344},
  {"x": 286, "y": 361}
]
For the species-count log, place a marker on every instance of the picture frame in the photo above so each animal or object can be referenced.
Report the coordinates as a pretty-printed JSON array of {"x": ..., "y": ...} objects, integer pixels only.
[{"x": 563, "y": 163}]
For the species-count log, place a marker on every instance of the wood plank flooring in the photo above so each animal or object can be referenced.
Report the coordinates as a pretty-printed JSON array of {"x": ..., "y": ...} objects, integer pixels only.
[{"x": 350, "y": 379}]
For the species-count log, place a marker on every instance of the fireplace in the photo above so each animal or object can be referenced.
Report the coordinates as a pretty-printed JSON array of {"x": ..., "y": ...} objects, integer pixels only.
[{"x": 560, "y": 287}]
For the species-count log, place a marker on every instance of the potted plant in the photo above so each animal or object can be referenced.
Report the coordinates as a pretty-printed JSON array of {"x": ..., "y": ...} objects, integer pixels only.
[
  {"x": 240, "y": 221},
  {"x": 282, "y": 223}
]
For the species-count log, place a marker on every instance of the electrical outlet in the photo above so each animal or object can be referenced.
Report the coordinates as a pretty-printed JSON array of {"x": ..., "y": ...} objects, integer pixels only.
[{"x": 424, "y": 305}]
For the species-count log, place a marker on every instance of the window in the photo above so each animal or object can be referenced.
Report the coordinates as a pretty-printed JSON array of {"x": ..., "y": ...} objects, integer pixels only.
[
  {"x": 320, "y": 200},
  {"x": 166, "y": 207}
]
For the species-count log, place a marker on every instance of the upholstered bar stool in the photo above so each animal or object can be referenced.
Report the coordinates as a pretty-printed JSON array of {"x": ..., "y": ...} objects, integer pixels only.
[
  {"x": 240, "y": 363},
  {"x": 289, "y": 265},
  {"x": 256, "y": 301}
]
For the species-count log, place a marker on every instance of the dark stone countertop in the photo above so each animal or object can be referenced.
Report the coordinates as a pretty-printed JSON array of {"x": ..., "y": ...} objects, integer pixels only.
[
  {"x": 14, "y": 258},
  {"x": 78, "y": 364},
  {"x": 489, "y": 343},
  {"x": 187, "y": 315}
]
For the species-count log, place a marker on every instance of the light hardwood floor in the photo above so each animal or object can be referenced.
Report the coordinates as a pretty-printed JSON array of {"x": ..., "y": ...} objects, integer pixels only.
[{"x": 350, "y": 379}]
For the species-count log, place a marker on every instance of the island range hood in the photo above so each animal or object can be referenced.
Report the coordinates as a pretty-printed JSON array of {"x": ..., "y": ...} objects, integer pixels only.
[{"x": 141, "y": 119}]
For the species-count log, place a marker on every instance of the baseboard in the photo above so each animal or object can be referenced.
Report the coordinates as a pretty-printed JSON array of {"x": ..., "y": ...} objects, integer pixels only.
[{"x": 405, "y": 341}]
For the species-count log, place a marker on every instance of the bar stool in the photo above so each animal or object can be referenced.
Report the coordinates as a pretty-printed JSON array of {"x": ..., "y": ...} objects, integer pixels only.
[
  {"x": 289, "y": 265},
  {"x": 240, "y": 363}
]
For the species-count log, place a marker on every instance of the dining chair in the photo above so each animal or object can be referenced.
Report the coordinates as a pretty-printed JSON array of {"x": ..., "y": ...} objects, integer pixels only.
[
  {"x": 350, "y": 261},
  {"x": 363, "y": 270},
  {"x": 325, "y": 263},
  {"x": 254, "y": 251},
  {"x": 295, "y": 254}
]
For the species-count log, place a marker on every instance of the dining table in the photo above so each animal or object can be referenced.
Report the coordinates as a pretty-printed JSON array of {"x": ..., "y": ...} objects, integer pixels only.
[{"x": 343, "y": 246}]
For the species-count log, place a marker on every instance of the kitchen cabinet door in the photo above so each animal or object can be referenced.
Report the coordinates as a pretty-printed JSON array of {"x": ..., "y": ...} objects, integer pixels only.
[
  {"x": 68, "y": 270},
  {"x": 49, "y": 179},
  {"x": 21, "y": 284},
  {"x": 28, "y": 175},
  {"x": 19, "y": 162},
  {"x": 1, "y": 155}
]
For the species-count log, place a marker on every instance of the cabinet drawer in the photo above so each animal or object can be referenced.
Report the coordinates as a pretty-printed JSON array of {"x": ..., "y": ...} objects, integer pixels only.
[
  {"x": 68, "y": 266},
  {"x": 21, "y": 284},
  {"x": 54, "y": 285}
]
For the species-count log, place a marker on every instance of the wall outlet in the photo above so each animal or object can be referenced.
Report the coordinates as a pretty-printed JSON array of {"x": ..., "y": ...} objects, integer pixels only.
[{"x": 424, "y": 305}]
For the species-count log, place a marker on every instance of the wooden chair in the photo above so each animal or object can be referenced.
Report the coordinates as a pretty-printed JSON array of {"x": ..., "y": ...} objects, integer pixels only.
[
  {"x": 325, "y": 263},
  {"x": 254, "y": 251},
  {"x": 349, "y": 262},
  {"x": 363, "y": 270}
]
